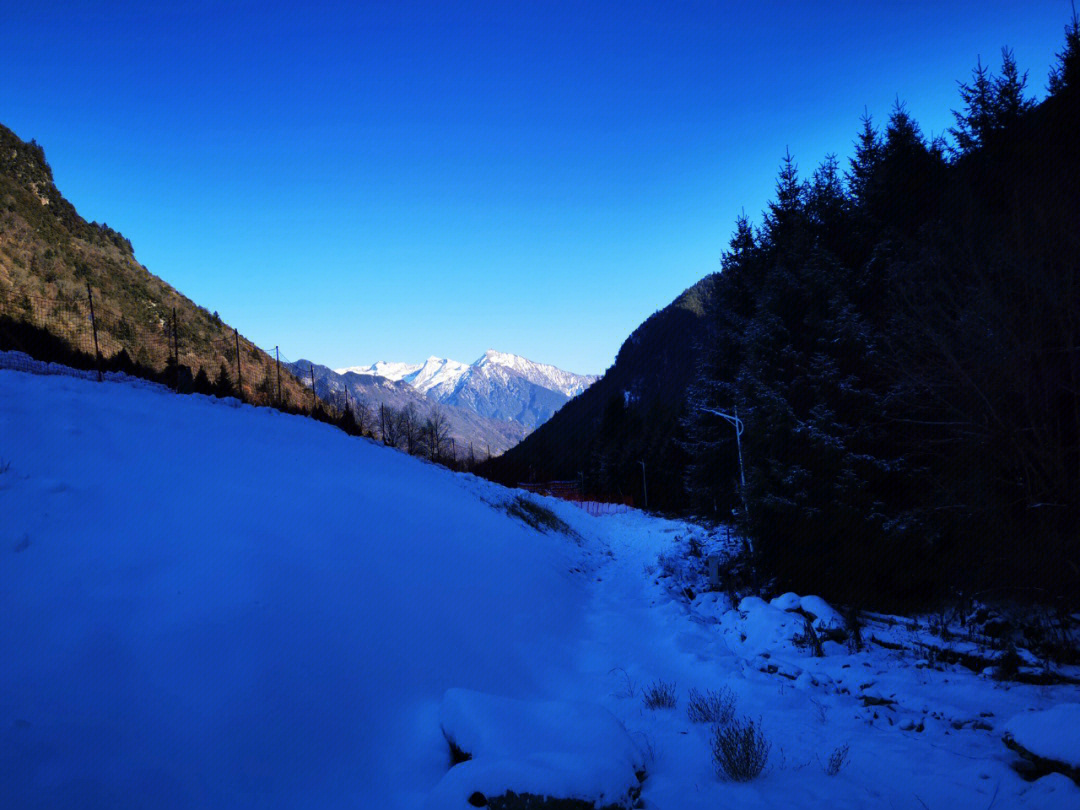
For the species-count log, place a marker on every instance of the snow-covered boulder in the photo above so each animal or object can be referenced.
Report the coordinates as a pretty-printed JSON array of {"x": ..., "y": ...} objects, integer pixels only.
[
  {"x": 765, "y": 628},
  {"x": 760, "y": 627},
  {"x": 1049, "y": 738},
  {"x": 550, "y": 749},
  {"x": 821, "y": 614}
]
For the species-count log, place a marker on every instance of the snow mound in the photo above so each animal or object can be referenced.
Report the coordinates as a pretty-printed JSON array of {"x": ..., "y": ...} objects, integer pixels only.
[
  {"x": 548, "y": 748},
  {"x": 1053, "y": 733},
  {"x": 766, "y": 627},
  {"x": 821, "y": 614}
]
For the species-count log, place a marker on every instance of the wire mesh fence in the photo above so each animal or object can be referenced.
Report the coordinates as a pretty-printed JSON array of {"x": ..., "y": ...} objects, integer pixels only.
[
  {"x": 85, "y": 332},
  {"x": 575, "y": 492},
  {"x": 197, "y": 353},
  {"x": 81, "y": 331}
]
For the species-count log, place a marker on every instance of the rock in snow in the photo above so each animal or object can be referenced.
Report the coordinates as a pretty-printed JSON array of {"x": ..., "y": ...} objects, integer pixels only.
[
  {"x": 554, "y": 749},
  {"x": 1050, "y": 737}
]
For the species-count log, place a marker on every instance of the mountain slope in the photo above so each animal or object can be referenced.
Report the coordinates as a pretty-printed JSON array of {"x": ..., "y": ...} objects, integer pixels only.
[
  {"x": 506, "y": 386},
  {"x": 630, "y": 414},
  {"x": 49, "y": 255}
]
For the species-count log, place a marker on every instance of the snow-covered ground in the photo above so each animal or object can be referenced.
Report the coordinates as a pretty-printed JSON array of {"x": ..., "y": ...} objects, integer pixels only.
[{"x": 204, "y": 604}]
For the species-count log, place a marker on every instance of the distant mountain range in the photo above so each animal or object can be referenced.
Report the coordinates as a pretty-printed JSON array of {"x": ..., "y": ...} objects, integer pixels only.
[{"x": 492, "y": 403}]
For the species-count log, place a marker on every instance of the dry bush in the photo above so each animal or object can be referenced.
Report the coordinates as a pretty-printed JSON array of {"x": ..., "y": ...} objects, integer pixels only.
[
  {"x": 740, "y": 750},
  {"x": 717, "y": 707},
  {"x": 660, "y": 695},
  {"x": 837, "y": 760}
]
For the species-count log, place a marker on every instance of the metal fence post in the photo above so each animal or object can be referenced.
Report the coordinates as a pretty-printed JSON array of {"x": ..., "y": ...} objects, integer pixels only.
[
  {"x": 239, "y": 377},
  {"x": 93, "y": 326}
]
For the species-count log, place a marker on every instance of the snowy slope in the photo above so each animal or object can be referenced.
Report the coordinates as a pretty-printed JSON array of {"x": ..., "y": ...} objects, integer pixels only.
[
  {"x": 437, "y": 377},
  {"x": 546, "y": 376},
  {"x": 186, "y": 625}
]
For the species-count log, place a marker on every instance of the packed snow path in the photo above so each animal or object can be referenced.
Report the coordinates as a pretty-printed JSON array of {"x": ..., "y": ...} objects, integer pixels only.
[{"x": 210, "y": 605}]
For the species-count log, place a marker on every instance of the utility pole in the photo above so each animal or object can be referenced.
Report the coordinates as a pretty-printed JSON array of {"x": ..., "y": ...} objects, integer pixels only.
[
  {"x": 737, "y": 423},
  {"x": 93, "y": 326},
  {"x": 239, "y": 376},
  {"x": 644, "y": 485},
  {"x": 277, "y": 360},
  {"x": 312, "y": 366}
]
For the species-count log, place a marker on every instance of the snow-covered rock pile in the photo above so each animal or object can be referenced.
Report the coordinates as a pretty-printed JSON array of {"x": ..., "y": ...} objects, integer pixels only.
[
  {"x": 550, "y": 749},
  {"x": 1050, "y": 739},
  {"x": 758, "y": 627}
]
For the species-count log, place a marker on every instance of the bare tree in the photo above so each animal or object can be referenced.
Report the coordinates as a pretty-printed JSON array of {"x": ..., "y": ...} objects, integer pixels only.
[
  {"x": 410, "y": 428},
  {"x": 363, "y": 415},
  {"x": 437, "y": 434},
  {"x": 388, "y": 425}
]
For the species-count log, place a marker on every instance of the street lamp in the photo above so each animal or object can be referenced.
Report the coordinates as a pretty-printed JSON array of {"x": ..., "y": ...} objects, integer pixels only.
[{"x": 736, "y": 423}]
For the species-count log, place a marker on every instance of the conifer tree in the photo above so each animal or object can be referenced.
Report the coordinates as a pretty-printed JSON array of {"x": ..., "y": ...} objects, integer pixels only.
[
  {"x": 1066, "y": 74},
  {"x": 827, "y": 206},
  {"x": 1009, "y": 100},
  {"x": 975, "y": 122},
  {"x": 223, "y": 386},
  {"x": 868, "y": 154},
  {"x": 742, "y": 242}
]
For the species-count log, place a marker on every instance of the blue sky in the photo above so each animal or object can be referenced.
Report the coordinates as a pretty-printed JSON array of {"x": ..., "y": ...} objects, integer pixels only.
[{"x": 362, "y": 181}]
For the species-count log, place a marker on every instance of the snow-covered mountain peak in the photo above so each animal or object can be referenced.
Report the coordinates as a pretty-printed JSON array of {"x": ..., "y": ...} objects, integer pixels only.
[
  {"x": 438, "y": 376},
  {"x": 498, "y": 385},
  {"x": 506, "y": 360},
  {"x": 542, "y": 374},
  {"x": 391, "y": 371}
]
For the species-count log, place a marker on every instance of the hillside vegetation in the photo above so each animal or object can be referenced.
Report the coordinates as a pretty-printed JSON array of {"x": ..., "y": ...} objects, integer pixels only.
[{"x": 49, "y": 255}]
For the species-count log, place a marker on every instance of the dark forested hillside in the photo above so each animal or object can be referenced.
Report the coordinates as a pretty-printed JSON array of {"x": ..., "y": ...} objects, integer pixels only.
[
  {"x": 629, "y": 415},
  {"x": 901, "y": 336}
]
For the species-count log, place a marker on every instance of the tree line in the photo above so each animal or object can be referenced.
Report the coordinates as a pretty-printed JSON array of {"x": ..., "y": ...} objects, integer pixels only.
[
  {"x": 901, "y": 337},
  {"x": 426, "y": 435}
]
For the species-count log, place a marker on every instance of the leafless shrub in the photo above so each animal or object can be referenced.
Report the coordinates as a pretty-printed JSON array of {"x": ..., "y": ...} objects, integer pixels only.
[
  {"x": 740, "y": 750},
  {"x": 629, "y": 688},
  {"x": 809, "y": 639},
  {"x": 533, "y": 514},
  {"x": 660, "y": 695},
  {"x": 837, "y": 760},
  {"x": 717, "y": 707}
]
